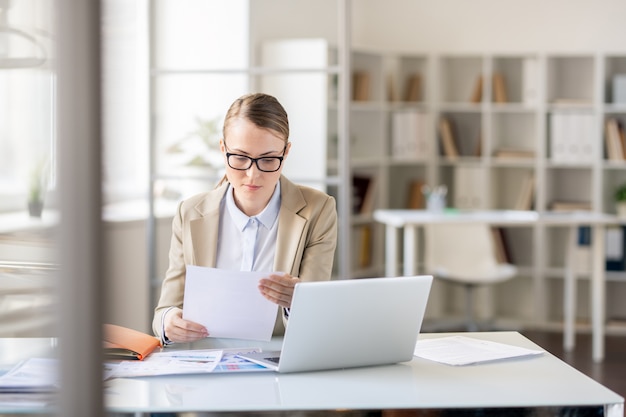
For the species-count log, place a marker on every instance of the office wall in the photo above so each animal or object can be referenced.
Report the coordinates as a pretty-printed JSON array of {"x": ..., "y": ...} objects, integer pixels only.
[
  {"x": 453, "y": 25},
  {"x": 490, "y": 25}
]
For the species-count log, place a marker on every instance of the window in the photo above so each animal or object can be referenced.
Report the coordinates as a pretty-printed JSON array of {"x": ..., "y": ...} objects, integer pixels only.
[{"x": 26, "y": 99}]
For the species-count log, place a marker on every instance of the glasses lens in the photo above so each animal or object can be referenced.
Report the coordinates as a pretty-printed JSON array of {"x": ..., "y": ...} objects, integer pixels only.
[
  {"x": 269, "y": 164},
  {"x": 239, "y": 161}
]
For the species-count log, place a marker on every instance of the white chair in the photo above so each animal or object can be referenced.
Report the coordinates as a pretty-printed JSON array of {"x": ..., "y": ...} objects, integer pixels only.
[{"x": 465, "y": 254}]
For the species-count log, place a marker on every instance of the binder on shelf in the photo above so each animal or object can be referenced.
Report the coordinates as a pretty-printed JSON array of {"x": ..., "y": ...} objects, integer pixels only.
[
  {"x": 615, "y": 237},
  {"x": 530, "y": 81},
  {"x": 125, "y": 343},
  {"x": 468, "y": 187},
  {"x": 408, "y": 134},
  {"x": 615, "y": 244},
  {"x": 619, "y": 89},
  {"x": 571, "y": 136},
  {"x": 448, "y": 140}
]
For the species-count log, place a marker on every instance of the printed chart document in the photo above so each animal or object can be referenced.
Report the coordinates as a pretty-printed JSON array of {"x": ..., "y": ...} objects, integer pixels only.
[
  {"x": 228, "y": 303},
  {"x": 462, "y": 350},
  {"x": 163, "y": 365},
  {"x": 178, "y": 362}
]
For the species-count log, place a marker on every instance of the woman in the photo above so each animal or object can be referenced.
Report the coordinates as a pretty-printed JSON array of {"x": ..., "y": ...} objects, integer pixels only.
[{"x": 255, "y": 219}]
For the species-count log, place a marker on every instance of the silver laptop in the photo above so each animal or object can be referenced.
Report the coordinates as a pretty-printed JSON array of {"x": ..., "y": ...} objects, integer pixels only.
[{"x": 350, "y": 323}]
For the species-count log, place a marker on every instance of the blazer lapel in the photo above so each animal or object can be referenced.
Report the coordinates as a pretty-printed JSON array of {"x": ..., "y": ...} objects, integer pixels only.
[
  {"x": 291, "y": 227},
  {"x": 204, "y": 229}
]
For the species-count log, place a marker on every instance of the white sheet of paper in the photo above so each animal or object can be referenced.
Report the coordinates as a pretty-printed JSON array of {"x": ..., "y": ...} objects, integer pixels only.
[
  {"x": 228, "y": 303},
  {"x": 462, "y": 350}
]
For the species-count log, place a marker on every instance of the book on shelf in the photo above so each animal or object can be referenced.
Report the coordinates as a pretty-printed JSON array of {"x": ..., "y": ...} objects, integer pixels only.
[
  {"x": 360, "y": 86},
  {"x": 448, "y": 140},
  {"x": 392, "y": 94},
  {"x": 500, "y": 245},
  {"x": 498, "y": 85},
  {"x": 570, "y": 205},
  {"x": 478, "y": 148},
  {"x": 413, "y": 90},
  {"x": 513, "y": 153},
  {"x": 415, "y": 196},
  {"x": 477, "y": 93},
  {"x": 365, "y": 246},
  {"x": 362, "y": 194},
  {"x": 615, "y": 140},
  {"x": 499, "y": 88},
  {"x": 526, "y": 196}
]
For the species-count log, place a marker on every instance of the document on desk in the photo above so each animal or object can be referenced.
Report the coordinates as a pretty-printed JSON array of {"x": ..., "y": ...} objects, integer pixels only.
[
  {"x": 164, "y": 365},
  {"x": 228, "y": 303},
  {"x": 33, "y": 375},
  {"x": 179, "y": 362},
  {"x": 462, "y": 350}
]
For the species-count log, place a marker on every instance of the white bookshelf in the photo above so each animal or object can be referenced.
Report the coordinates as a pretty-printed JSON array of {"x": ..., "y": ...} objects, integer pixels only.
[{"x": 539, "y": 88}]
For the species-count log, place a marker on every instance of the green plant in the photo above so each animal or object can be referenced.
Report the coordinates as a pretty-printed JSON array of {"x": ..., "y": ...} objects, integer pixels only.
[
  {"x": 38, "y": 182},
  {"x": 620, "y": 193},
  {"x": 200, "y": 147}
]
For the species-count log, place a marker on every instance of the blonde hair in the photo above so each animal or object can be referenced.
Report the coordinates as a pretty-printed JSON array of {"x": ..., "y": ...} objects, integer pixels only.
[{"x": 263, "y": 110}]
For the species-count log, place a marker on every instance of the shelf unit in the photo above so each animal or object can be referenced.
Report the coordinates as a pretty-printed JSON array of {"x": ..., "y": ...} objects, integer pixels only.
[{"x": 544, "y": 93}]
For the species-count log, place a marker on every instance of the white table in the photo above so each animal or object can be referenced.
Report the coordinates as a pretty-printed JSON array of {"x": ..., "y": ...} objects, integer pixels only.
[
  {"x": 535, "y": 382},
  {"x": 411, "y": 220}
]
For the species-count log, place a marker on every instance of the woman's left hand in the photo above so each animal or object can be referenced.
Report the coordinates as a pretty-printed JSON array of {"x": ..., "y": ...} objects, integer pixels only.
[{"x": 278, "y": 288}]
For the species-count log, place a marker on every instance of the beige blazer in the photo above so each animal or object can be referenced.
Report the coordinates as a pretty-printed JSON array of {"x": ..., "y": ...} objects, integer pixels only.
[{"x": 305, "y": 245}]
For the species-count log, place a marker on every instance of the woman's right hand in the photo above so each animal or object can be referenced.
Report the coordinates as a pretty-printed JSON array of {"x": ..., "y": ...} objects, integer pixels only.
[{"x": 180, "y": 330}]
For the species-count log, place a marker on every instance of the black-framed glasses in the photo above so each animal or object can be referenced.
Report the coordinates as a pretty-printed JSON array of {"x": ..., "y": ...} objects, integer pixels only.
[
  {"x": 264, "y": 163},
  {"x": 243, "y": 163}
]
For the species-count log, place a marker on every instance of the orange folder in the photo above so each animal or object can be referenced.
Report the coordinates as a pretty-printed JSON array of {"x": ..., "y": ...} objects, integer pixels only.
[{"x": 124, "y": 343}]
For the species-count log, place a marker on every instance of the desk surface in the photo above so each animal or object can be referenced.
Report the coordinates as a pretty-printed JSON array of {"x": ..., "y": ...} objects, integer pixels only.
[
  {"x": 530, "y": 382},
  {"x": 401, "y": 218}
]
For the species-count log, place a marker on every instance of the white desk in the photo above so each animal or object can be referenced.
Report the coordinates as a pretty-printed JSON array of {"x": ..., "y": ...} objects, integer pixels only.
[
  {"x": 411, "y": 220},
  {"x": 536, "y": 382}
]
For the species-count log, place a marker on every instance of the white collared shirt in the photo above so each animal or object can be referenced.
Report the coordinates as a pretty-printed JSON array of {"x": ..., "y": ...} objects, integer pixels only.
[{"x": 247, "y": 243}]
